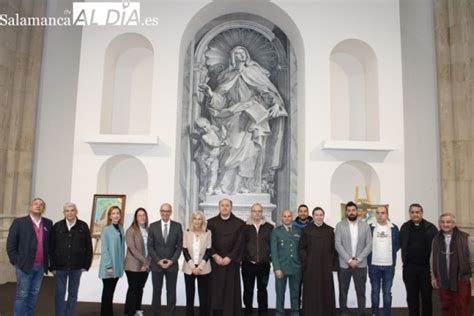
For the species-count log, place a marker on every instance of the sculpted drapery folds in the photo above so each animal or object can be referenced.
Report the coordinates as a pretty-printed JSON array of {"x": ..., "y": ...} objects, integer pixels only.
[{"x": 248, "y": 106}]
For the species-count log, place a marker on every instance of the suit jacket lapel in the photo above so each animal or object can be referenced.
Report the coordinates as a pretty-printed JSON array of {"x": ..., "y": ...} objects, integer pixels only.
[
  {"x": 360, "y": 236},
  {"x": 347, "y": 230},
  {"x": 160, "y": 232}
]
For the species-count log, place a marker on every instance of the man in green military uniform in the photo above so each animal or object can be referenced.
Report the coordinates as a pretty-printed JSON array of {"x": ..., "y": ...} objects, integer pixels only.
[{"x": 286, "y": 263}]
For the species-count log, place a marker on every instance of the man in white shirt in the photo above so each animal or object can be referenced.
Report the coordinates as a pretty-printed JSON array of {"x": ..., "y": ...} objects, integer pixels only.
[
  {"x": 385, "y": 244},
  {"x": 353, "y": 244}
]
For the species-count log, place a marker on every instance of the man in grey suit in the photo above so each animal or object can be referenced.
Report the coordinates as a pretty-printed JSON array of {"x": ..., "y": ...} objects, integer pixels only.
[
  {"x": 165, "y": 241},
  {"x": 353, "y": 244}
]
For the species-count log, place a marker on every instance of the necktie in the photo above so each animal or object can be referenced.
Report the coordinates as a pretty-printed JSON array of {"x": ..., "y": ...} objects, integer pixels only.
[
  {"x": 165, "y": 233},
  {"x": 289, "y": 229}
]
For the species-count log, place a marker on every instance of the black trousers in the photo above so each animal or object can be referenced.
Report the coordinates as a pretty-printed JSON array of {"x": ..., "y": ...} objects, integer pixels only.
[
  {"x": 136, "y": 283},
  {"x": 359, "y": 275},
  {"x": 203, "y": 291},
  {"x": 250, "y": 272},
  {"x": 417, "y": 281},
  {"x": 106, "y": 304},
  {"x": 157, "y": 279}
]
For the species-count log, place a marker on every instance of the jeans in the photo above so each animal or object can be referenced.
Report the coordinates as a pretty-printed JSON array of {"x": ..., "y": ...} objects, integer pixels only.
[
  {"x": 381, "y": 275},
  {"x": 72, "y": 278},
  {"x": 27, "y": 289}
]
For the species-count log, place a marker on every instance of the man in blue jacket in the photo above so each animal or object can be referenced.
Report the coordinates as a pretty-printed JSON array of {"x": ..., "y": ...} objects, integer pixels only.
[
  {"x": 303, "y": 218},
  {"x": 382, "y": 260},
  {"x": 27, "y": 248}
]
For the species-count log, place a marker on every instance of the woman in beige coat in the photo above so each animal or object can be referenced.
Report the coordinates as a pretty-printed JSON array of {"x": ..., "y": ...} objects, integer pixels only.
[
  {"x": 197, "y": 252},
  {"x": 137, "y": 262}
]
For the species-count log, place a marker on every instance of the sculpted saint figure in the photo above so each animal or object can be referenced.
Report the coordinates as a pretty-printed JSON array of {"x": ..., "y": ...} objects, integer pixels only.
[{"x": 250, "y": 108}]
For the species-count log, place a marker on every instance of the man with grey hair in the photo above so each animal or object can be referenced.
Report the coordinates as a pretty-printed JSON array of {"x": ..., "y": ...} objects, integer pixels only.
[
  {"x": 27, "y": 248},
  {"x": 256, "y": 259},
  {"x": 451, "y": 266},
  {"x": 70, "y": 255}
]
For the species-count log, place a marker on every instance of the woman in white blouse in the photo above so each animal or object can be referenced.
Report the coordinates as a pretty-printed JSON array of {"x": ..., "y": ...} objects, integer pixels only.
[{"x": 197, "y": 252}]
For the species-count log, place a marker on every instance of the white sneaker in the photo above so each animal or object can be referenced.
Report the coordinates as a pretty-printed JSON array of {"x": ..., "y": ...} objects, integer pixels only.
[{"x": 139, "y": 313}]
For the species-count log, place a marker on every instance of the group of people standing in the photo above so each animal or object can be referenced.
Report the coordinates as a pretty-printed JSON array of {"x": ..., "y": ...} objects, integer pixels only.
[{"x": 304, "y": 253}]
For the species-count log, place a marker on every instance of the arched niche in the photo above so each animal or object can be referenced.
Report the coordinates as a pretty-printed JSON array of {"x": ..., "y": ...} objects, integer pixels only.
[
  {"x": 207, "y": 55},
  {"x": 347, "y": 177},
  {"x": 126, "y": 92},
  {"x": 354, "y": 92},
  {"x": 125, "y": 174}
]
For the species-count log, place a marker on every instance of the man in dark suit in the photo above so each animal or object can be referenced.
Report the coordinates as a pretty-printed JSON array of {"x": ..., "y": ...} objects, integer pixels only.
[
  {"x": 165, "y": 240},
  {"x": 27, "y": 248}
]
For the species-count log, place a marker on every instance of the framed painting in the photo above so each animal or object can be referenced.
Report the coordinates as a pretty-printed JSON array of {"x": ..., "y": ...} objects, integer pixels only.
[
  {"x": 100, "y": 207},
  {"x": 366, "y": 211}
]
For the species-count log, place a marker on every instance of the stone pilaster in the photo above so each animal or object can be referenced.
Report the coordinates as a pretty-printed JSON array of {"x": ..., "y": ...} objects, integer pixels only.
[
  {"x": 455, "y": 58},
  {"x": 20, "y": 62}
]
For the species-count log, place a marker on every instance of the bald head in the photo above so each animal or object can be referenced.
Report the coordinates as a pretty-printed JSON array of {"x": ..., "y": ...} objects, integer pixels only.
[
  {"x": 165, "y": 212},
  {"x": 286, "y": 216}
]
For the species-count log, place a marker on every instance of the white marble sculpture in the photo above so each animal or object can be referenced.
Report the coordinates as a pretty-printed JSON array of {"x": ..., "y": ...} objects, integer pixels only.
[{"x": 250, "y": 108}]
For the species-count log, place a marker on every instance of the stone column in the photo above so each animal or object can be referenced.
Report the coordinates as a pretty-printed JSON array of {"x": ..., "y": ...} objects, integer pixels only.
[
  {"x": 20, "y": 62},
  {"x": 455, "y": 58}
]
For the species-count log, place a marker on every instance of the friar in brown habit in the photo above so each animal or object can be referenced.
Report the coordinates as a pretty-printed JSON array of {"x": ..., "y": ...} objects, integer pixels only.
[
  {"x": 226, "y": 256},
  {"x": 319, "y": 259}
]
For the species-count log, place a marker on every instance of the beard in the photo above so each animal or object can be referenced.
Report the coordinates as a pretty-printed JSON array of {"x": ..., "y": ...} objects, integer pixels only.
[{"x": 352, "y": 217}]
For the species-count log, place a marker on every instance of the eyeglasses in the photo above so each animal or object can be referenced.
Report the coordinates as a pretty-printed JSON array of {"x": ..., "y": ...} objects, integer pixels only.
[{"x": 165, "y": 211}]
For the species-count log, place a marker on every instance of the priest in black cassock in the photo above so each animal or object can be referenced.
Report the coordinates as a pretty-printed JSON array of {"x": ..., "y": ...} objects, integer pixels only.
[
  {"x": 319, "y": 259},
  {"x": 227, "y": 249}
]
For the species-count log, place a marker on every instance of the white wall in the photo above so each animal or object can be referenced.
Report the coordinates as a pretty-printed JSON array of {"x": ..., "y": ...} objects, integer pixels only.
[
  {"x": 52, "y": 169},
  {"x": 422, "y": 156},
  {"x": 314, "y": 29},
  {"x": 407, "y": 173}
]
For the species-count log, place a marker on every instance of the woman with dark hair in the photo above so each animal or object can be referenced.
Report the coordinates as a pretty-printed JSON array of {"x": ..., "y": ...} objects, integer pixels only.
[
  {"x": 137, "y": 262},
  {"x": 196, "y": 266},
  {"x": 111, "y": 259}
]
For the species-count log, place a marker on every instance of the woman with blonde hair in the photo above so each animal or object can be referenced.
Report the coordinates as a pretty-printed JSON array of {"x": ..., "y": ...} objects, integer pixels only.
[
  {"x": 197, "y": 252},
  {"x": 137, "y": 262},
  {"x": 111, "y": 259}
]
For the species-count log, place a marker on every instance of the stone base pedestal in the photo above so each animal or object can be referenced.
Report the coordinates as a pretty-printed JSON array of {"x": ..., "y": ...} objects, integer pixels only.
[
  {"x": 7, "y": 271},
  {"x": 241, "y": 204}
]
